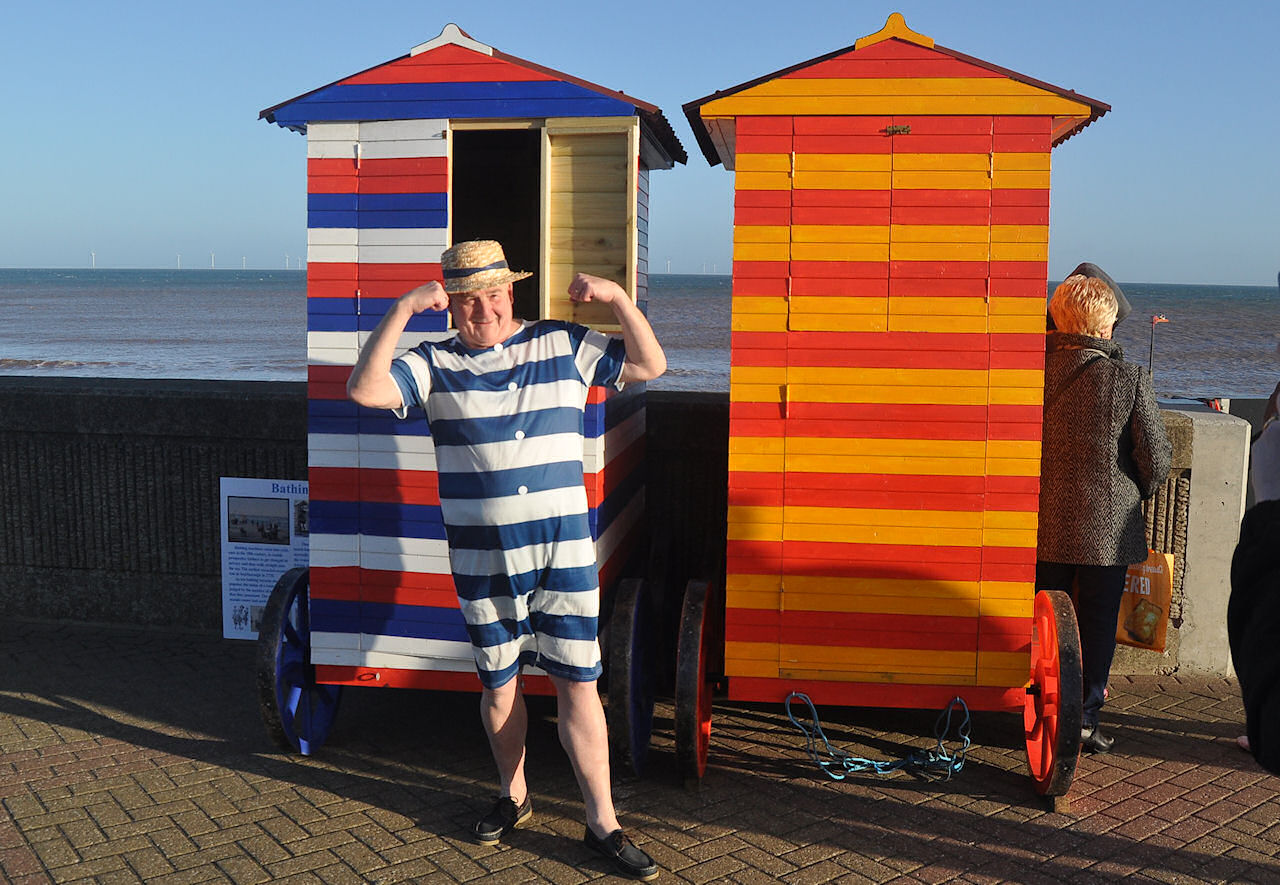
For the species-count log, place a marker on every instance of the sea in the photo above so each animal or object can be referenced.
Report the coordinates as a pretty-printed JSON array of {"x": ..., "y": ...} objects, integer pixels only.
[{"x": 250, "y": 325}]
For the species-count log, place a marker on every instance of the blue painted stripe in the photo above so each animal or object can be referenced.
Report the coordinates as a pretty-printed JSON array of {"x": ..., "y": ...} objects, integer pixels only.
[
  {"x": 413, "y": 621},
  {"x": 386, "y": 424},
  {"x": 500, "y": 428},
  {"x": 323, "y": 408},
  {"x": 520, "y": 534},
  {"x": 332, "y": 306},
  {"x": 427, "y": 321},
  {"x": 419, "y": 202},
  {"x": 501, "y": 483},
  {"x": 401, "y": 101}
]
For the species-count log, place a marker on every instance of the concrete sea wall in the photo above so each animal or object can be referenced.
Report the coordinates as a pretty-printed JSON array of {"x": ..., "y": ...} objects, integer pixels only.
[{"x": 109, "y": 501}]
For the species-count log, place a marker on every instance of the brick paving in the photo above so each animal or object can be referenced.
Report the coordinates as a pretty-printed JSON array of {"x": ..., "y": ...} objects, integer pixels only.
[{"x": 138, "y": 756}]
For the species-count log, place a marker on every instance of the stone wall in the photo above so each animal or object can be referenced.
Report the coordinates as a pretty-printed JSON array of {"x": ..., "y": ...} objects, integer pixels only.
[{"x": 109, "y": 501}]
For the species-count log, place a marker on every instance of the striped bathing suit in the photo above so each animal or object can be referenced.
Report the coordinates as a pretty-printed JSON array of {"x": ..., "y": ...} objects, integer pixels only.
[{"x": 507, "y": 423}]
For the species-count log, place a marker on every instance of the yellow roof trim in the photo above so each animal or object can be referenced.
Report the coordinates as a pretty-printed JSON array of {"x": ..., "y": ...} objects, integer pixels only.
[{"x": 894, "y": 26}]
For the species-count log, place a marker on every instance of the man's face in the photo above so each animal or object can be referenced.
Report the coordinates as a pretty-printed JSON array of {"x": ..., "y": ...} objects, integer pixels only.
[{"x": 483, "y": 318}]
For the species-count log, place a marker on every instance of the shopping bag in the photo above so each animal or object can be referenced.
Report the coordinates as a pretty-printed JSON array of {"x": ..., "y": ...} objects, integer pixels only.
[{"x": 1144, "y": 609}]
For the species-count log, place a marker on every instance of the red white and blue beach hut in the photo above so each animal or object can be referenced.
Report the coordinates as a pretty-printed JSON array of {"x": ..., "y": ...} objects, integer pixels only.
[{"x": 454, "y": 141}]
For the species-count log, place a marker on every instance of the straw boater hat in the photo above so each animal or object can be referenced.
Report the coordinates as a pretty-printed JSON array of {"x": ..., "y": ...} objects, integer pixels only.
[{"x": 476, "y": 265}]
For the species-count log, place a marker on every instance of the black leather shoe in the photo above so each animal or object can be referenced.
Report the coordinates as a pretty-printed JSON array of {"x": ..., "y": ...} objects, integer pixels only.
[
  {"x": 627, "y": 859},
  {"x": 503, "y": 817},
  {"x": 1093, "y": 740}
]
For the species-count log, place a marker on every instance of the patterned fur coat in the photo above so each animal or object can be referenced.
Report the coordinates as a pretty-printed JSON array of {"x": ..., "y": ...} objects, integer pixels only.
[{"x": 1104, "y": 450}]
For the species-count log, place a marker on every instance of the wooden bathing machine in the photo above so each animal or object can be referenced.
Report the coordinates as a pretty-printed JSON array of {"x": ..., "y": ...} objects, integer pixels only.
[
  {"x": 890, "y": 248},
  {"x": 454, "y": 141}
]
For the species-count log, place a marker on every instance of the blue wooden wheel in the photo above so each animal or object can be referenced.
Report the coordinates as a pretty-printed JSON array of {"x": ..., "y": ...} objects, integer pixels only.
[
  {"x": 631, "y": 675},
  {"x": 295, "y": 709}
]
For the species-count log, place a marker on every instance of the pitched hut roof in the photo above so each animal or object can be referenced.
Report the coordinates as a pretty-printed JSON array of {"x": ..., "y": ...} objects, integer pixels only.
[
  {"x": 454, "y": 76},
  {"x": 894, "y": 71}
]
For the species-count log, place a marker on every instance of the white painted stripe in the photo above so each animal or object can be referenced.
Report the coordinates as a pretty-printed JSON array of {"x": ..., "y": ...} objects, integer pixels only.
[
  {"x": 400, "y": 562},
  {"x": 334, "y": 543},
  {"x": 381, "y": 544},
  {"x": 333, "y": 559},
  {"x": 326, "y": 640},
  {"x": 332, "y": 341},
  {"x": 332, "y": 442},
  {"x": 416, "y": 237},
  {"x": 441, "y": 649},
  {"x": 321, "y": 356}
]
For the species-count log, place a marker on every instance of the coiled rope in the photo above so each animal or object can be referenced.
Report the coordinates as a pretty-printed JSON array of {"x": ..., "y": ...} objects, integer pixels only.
[{"x": 938, "y": 763}]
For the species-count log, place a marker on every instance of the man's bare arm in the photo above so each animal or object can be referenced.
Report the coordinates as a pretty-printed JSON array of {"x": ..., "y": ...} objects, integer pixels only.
[
  {"x": 371, "y": 383},
  {"x": 645, "y": 358}
]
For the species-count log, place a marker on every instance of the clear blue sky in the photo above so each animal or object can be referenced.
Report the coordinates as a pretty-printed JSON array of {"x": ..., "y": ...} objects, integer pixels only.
[{"x": 131, "y": 128}]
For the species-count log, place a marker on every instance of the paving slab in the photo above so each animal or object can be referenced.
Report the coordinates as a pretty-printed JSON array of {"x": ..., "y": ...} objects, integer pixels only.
[{"x": 130, "y": 755}]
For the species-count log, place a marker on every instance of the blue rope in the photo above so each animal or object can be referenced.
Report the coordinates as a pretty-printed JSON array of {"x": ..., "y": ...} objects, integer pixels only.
[{"x": 937, "y": 763}]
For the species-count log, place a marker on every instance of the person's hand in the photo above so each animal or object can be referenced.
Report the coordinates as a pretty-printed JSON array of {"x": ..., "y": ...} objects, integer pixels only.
[
  {"x": 428, "y": 296},
  {"x": 585, "y": 288}
]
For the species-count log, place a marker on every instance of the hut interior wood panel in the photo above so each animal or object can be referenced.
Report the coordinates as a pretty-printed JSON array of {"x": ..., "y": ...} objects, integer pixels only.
[
  {"x": 455, "y": 140},
  {"x": 889, "y": 279}
]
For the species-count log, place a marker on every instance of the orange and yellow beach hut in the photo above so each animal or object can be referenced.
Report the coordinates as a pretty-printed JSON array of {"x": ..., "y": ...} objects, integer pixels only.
[{"x": 890, "y": 264}]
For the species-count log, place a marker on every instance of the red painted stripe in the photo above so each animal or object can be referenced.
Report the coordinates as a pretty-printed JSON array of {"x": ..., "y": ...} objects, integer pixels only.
[
  {"x": 828, "y": 269},
  {"x": 1013, "y": 196},
  {"x": 749, "y": 215},
  {"x": 321, "y": 390},
  {"x": 870, "y": 215},
  {"x": 840, "y": 287},
  {"x": 956, "y": 269},
  {"x": 816, "y": 125},
  {"x": 917, "y": 197},
  {"x": 852, "y": 199},
  {"x": 447, "y": 64},
  {"x": 762, "y": 199},
  {"x": 823, "y": 143},
  {"x": 742, "y": 269},
  {"x": 431, "y": 680},
  {"x": 925, "y": 215},
  {"x": 1030, "y": 270},
  {"x": 761, "y": 143},
  {"x": 1005, "y": 124},
  {"x": 762, "y": 126},
  {"x": 1025, "y": 215},
  {"x": 868, "y": 694}
]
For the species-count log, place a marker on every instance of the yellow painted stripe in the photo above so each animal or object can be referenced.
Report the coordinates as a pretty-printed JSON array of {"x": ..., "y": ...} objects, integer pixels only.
[
  {"x": 758, "y": 601},
  {"x": 1020, "y": 180},
  {"x": 840, "y": 251},
  {"x": 1012, "y": 467},
  {"x": 842, "y": 102},
  {"x": 917, "y": 323},
  {"x": 960, "y": 607},
  {"x": 762, "y": 181},
  {"x": 761, "y": 252},
  {"x": 1020, "y": 590},
  {"x": 1006, "y": 608},
  {"x": 1023, "y": 307},
  {"x": 894, "y": 466},
  {"x": 844, "y": 162},
  {"x": 1013, "y": 448},
  {"x": 756, "y": 463},
  {"x": 938, "y": 307},
  {"x": 834, "y": 308},
  {"x": 881, "y": 677},
  {"x": 925, "y": 180},
  {"x": 753, "y": 583},
  {"x": 864, "y": 376},
  {"x": 941, "y": 448},
  {"x": 813, "y": 322},
  {"x": 1019, "y": 233},
  {"x": 840, "y": 233},
  {"x": 940, "y": 233},
  {"x": 1019, "y": 325},
  {"x": 849, "y": 534},
  {"x": 1016, "y": 396},
  {"x": 754, "y": 532},
  {"x": 767, "y": 667},
  {"x": 846, "y": 181},
  {"x": 763, "y": 163},
  {"x": 853, "y": 516},
  {"x": 1019, "y": 251},
  {"x": 1009, "y": 661},
  {"x": 761, "y": 233},
  {"x": 1025, "y": 538},
  {"x": 934, "y": 251},
  {"x": 903, "y": 660},
  {"x": 763, "y": 305},
  {"x": 757, "y": 445},
  {"x": 768, "y": 323},
  {"x": 1004, "y": 678},
  {"x": 893, "y": 88},
  {"x": 831, "y": 589},
  {"x": 942, "y": 162},
  {"x": 1007, "y": 161},
  {"x": 1032, "y": 378},
  {"x": 1009, "y": 519}
]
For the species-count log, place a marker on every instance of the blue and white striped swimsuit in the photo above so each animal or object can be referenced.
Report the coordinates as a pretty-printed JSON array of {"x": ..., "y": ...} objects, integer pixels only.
[{"x": 507, "y": 424}]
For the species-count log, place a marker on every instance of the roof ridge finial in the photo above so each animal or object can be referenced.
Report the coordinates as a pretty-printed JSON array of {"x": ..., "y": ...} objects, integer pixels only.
[
  {"x": 894, "y": 26},
  {"x": 451, "y": 34}
]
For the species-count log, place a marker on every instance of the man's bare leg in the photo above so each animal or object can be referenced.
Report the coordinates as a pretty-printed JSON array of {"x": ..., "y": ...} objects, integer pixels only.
[
  {"x": 585, "y": 737},
  {"x": 506, "y": 721}
]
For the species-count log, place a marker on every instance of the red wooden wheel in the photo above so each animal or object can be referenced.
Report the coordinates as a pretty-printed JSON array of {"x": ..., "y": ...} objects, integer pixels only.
[
  {"x": 693, "y": 692},
  {"x": 1053, "y": 711}
]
